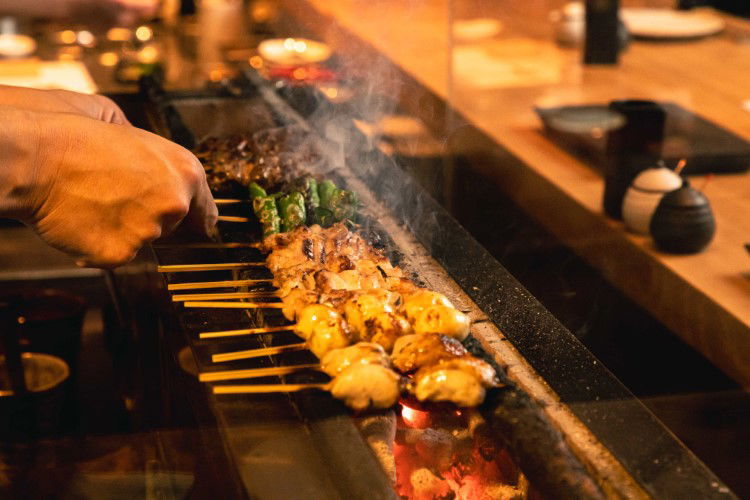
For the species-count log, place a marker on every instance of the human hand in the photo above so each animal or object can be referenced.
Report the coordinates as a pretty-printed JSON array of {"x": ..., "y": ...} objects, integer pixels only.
[
  {"x": 100, "y": 191},
  {"x": 107, "y": 13},
  {"x": 97, "y": 107}
]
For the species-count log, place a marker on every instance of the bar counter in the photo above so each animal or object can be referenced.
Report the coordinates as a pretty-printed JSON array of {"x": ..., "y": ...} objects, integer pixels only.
[{"x": 703, "y": 298}]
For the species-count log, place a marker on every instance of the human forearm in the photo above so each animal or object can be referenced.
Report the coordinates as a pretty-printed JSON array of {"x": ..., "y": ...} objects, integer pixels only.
[
  {"x": 19, "y": 156},
  {"x": 62, "y": 101},
  {"x": 34, "y": 8}
]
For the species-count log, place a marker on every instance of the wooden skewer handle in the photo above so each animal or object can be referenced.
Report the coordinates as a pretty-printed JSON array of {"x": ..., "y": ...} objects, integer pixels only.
[
  {"x": 181, "y": 268},
  {"x": 256, "y": 353},
  {"x": 228, "y": 201},
  {"x": 223, "y": 296},
  {"x": 254, "y": 372},
  {"x": 245, "y": 331},
  {"x": 217, "y": 284},
  {"x": 266, "y": 388},
  {"x": 236, "y": 305},
  {"x": 232, "y": 218}
]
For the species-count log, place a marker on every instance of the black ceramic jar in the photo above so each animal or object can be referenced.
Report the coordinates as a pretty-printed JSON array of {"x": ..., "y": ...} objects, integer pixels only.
[{"x": 683, "y": 221}]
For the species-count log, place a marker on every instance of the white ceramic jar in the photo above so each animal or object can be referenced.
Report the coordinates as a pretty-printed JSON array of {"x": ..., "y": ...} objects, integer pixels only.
[{"x": 644, "y": 195}]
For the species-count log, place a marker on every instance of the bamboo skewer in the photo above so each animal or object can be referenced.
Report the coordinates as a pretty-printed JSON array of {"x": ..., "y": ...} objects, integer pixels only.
[
  {"x": 245, "y": 331},
  {"x": 267, "y": 388},
  {"x": 218, "y": 284},
  {"x": 256, "y": 353},
  {"x": 229, "y": 201},
  {"x": 232, "y": 218},
  {"x": 254, "y": 372},
  {"x": 235, "y": 305},
  {"x": 223, "y": 296},
  {"x": 209, "y": 245},
  {"x": 223, "y": 266}
]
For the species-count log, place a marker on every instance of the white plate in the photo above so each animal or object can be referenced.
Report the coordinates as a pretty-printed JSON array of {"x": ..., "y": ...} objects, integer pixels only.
[
  {"x": 666, "y": 23},
  {"x": 293, "y": 51},
  {"x": 16, "y": 45}
]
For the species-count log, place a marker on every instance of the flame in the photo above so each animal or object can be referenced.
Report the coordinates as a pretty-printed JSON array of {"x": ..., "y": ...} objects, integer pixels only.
[{"x": 414, "y": 418}]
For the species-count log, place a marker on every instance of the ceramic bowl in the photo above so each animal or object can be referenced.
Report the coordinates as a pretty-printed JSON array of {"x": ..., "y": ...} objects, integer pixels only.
[{"x": 644, "y": 195}]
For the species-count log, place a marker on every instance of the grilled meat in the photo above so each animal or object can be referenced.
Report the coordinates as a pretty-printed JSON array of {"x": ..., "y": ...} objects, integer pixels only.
[
  {"x": 412, "y": 352},
  {"x": 367, "y": 385},
  {"x": 460, "y": 380},
  {"x": 367, "y": 353}
]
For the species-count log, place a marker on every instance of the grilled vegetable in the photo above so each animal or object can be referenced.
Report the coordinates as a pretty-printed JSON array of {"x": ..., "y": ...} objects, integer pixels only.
[
  {"x": 292, "y": 211},
  {"x": 343, "y": 204},
  {"x": 256, "y": 191},
  {"x": 267, "y": 213},
  {"x": 325, "y": 192}
]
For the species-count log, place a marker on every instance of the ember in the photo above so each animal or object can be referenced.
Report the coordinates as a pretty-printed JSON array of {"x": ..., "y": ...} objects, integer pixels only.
[{"x": 447, "y": 454}]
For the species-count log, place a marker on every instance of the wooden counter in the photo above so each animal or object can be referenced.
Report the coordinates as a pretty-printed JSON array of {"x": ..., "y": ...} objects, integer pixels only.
[{"x": 495, "y": 83}]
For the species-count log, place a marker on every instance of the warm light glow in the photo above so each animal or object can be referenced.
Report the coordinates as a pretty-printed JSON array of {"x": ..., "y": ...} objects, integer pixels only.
[
  {"x": 119, "y": 34},
  {"x": 414, "y": 418},
  {"x": 215, "y": 75},
  {"x": 299, "y": 73},
  {"x": 108, "y": 59},
  {"x": 86, "y": 38},
  {"x": 68, "y": 36},
  {"x": 148, "y": 54},
  {"x": 144, "y": 33},
  {"x": 256, "y": 62},
  {"x": 300, "y": 46},
  {"x": 289, "y": 44},
  {"x": 331, "y": 92}
]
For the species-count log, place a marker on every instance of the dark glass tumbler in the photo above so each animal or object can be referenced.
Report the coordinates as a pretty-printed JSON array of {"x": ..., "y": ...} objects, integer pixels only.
[{"x": 631, "y": 148}]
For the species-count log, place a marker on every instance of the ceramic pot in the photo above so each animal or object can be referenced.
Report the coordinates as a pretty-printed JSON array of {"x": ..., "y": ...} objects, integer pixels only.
[
  {"x": 644, "y": 195},
  {"x": 683, "y": 222}
]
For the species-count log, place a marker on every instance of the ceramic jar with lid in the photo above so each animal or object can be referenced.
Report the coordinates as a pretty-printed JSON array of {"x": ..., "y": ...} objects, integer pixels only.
[
  {"x": 683, "y": 221},
  {"x": 644, "y": 195}
]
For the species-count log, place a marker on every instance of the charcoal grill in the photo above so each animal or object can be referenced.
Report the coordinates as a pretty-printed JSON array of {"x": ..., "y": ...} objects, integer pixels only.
[{"x": 306, "y": 445}]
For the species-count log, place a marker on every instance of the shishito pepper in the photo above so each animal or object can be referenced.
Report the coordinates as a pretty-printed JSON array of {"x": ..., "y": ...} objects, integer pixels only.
[
  {"x": 256, "y": 191},
  {"x": 324, "y": 217},
  {"x": 343, "y": 204},
  {"x": 292, "y": 211},
  {"x": 325, "y": 192},
  {"x": 308, "y": 186},
  {"x": 268, "y": 215}
]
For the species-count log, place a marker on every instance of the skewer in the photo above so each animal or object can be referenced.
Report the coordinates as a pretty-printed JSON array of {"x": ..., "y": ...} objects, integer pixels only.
[
  {"x": 254, "y": 372},
  {"x": 256, "y": 353},
  {"x": 218, "y": 284},
  {"x": 223, "y": 296},
  {"x": 181, "y": 268},
  {"x": 267, "y": 388},
  {"x": 229, "y": 201},
  {"x": 245, "y": 331},
  {"x": 232, "y": 218},
  {"x": 235, "y": 305},
  {"x": 209, "y": 245}
]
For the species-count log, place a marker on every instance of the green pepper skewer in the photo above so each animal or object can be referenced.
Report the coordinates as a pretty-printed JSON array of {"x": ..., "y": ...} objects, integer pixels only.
[
  {"x": 292, "y": 211},
  {"x": 268, "y": 215}
]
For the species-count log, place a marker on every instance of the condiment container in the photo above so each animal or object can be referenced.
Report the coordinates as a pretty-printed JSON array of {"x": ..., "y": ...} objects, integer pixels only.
[
  {"x": 644, "y": 195},
  {"x": 683, "y": 221}
]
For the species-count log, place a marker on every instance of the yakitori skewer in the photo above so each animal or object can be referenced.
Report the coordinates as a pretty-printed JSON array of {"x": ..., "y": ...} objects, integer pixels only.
[
  {"x": 236, "y": 305},
  {"x": 256, "y": 353},
  {"x": 218, "y": 284},
  {"x": 229, "y": 201},
  {"x": 267, "y": 388},
  {"x": 232, "y": 218},
  {"x": 245, "y": 331},
  {"x": 222, "y": 266},
  {"x": 207, "y": 245},
  {"x": 183, "y": 297},
  {"x": 254, "y": 372}
]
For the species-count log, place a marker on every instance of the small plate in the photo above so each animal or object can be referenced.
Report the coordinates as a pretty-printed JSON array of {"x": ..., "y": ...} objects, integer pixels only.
[
  {"x": 16, "y": 45},
  {"x": 665, "y": 24},
  {"x": 293, "y": 51},
  {"x": 581, "y": 119}
]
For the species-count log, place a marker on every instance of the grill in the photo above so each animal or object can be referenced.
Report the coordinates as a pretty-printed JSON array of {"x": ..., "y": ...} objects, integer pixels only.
[{"x": 306, "y": 444}]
